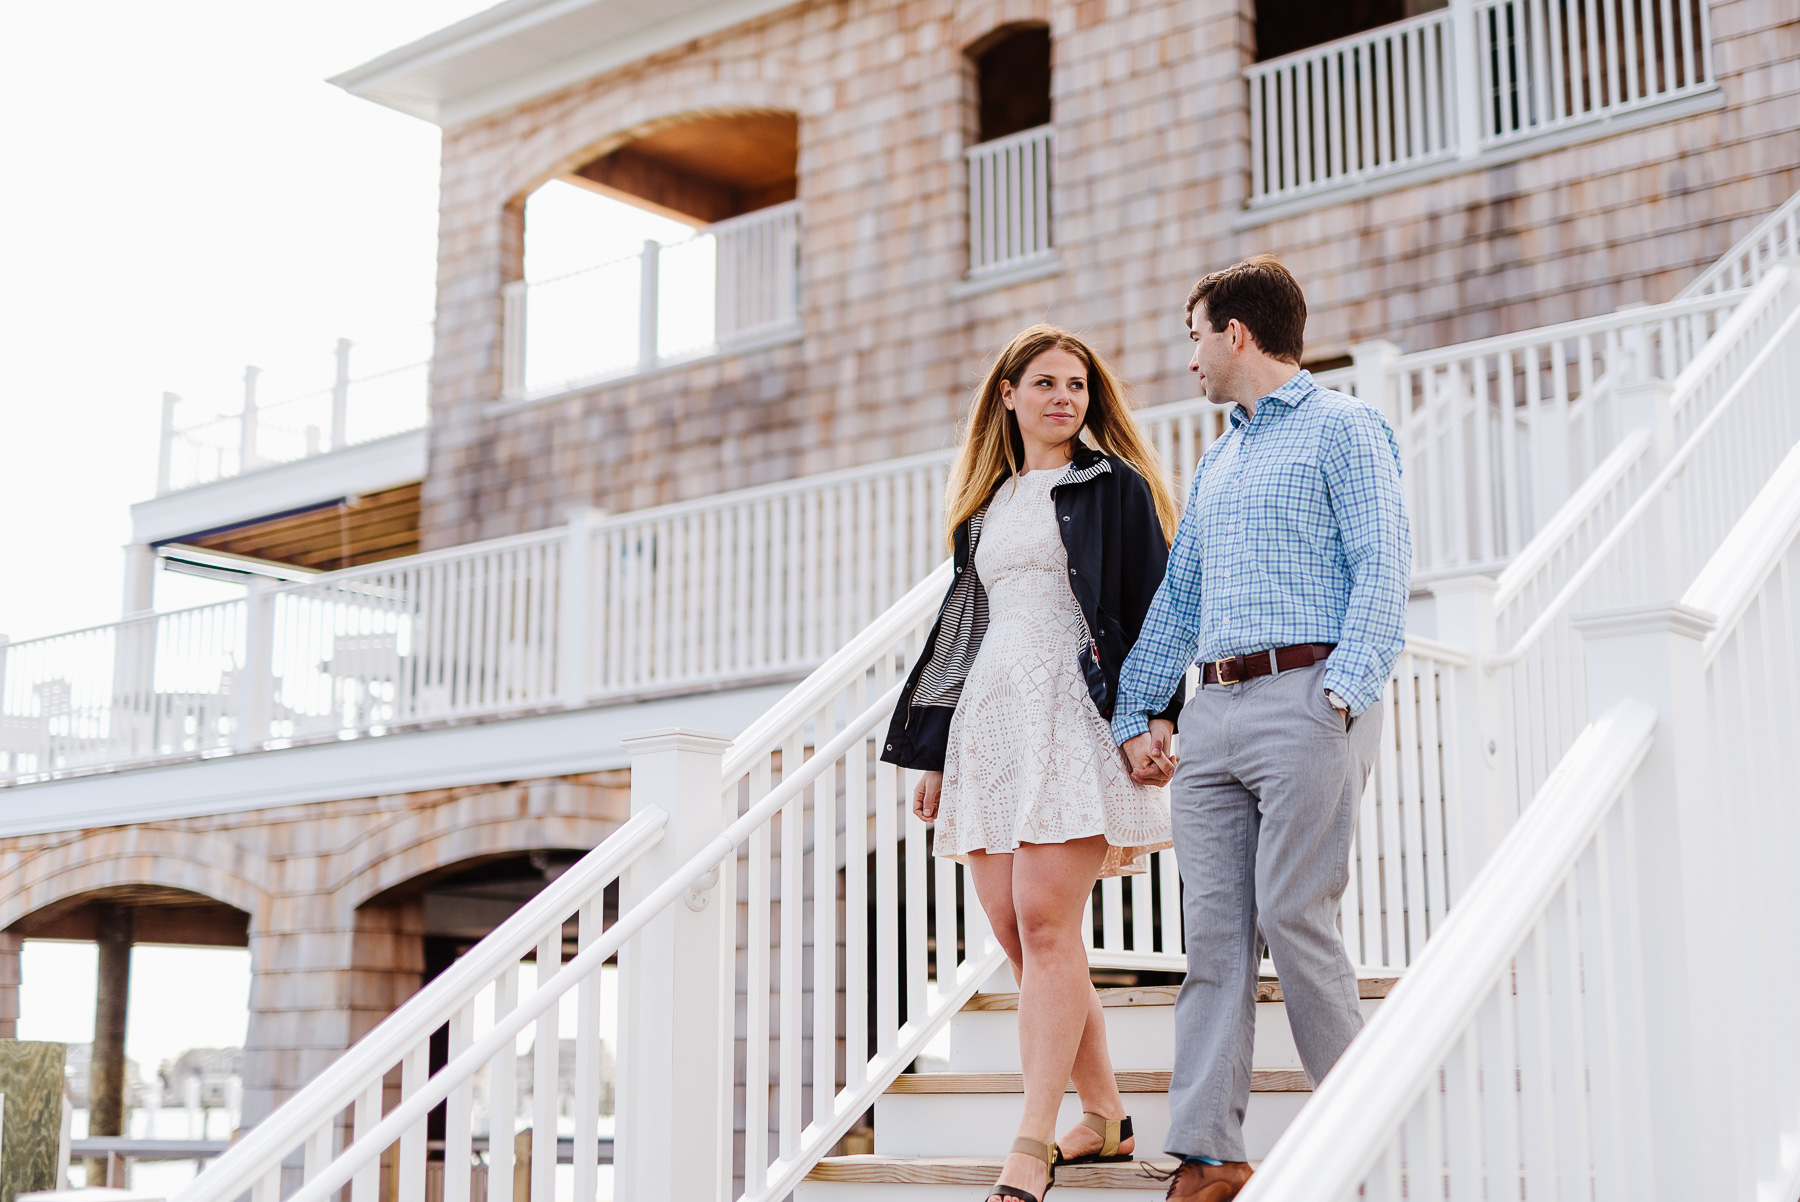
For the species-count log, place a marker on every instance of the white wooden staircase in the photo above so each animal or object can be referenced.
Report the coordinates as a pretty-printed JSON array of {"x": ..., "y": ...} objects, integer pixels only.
[{"x": 1583, "y": 818}]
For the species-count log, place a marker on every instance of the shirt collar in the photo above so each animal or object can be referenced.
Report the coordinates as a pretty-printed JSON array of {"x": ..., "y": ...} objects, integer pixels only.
[{"x": 1289, "y": 394}]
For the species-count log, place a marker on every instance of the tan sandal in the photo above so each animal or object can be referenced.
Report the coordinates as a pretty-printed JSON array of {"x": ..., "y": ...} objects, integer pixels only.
[
  {"x": 1048, "y": 1153},
  {"x": 1112, "y": 1133}
]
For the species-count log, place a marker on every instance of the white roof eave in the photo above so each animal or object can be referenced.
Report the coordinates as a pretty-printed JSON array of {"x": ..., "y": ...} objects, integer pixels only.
[{"x": 522, "y": 49}]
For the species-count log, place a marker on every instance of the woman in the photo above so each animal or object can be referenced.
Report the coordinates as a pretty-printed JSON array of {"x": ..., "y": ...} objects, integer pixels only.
[{"x": 1059, "y": 548}]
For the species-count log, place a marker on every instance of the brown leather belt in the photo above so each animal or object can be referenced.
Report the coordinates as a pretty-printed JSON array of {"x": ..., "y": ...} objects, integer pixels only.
[{"x": 1247, "y": 667}]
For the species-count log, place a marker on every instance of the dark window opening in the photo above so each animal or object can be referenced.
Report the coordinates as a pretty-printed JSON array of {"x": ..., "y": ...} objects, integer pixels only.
[
  {"x": 1284, "y": 26},
  {"x": 1012, "y": 67}
]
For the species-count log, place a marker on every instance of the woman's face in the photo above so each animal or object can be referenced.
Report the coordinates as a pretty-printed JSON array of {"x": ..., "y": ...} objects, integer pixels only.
[{"x": 1051, "y": 400}]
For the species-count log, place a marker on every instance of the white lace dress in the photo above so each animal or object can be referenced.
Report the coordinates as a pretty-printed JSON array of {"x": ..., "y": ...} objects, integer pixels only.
[{"x": 1030, "y": 760}]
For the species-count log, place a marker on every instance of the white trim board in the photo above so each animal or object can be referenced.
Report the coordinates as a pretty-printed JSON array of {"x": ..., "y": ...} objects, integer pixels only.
[
  {"x": 364, "y": 468},
  {"x": 559, "y": 744},
  {"x": 527, "y": 48}
]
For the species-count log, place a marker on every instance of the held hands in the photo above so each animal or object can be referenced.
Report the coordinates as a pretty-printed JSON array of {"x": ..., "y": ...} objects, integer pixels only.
[
  {"x": 926, "y": 794},
  {"x": 1149, "y": 754}
]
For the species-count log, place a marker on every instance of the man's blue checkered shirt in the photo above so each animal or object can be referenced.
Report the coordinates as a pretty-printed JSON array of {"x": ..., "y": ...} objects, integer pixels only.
[{"x": 1295, "y": 532}]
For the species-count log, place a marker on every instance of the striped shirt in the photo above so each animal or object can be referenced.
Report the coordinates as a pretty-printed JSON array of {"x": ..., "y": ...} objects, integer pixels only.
[{"x": 1295, "y": 532}]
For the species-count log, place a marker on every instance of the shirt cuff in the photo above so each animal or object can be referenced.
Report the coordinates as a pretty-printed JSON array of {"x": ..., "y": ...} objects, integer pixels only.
[
  {"x": 1126, "y": 727},
  {"x": 1356, "y": 694}
]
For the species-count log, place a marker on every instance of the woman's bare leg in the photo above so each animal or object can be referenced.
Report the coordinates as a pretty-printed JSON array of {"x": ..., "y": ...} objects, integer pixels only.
[{"x": 1095, "y": 1084}]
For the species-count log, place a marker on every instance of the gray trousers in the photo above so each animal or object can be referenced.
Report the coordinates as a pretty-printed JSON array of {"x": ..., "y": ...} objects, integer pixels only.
[{"x": 1263, "y": 804}]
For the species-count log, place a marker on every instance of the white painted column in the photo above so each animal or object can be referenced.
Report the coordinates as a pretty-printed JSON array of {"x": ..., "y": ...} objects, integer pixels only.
[
  {"x": 1373, "y": 360},
  {"x": 1482, "y": 807},
  {"x": 1469, "y": 94},
  {"x": 576, "y": 617},
  {"x": 340, "y": 397},
  {"x": 1653, "y": 653},
  {"x": 165, "y": 455},
  {"x": 649, "y": 283},
  {"x": 247, "y": 460},
  {"x": 140, "y": 579},
  {"x": 255, "y": 684},
  {"x": 677, "y": 985}
]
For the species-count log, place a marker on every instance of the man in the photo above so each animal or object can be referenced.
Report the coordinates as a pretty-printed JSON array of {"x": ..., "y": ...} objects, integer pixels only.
[{"x": 1288, "y": 579}]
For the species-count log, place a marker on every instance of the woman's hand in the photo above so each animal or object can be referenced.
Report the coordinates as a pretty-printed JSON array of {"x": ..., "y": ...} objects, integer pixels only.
[
  {"x": 925, "y": 796},
  {"x": 1151, "y": 755}
]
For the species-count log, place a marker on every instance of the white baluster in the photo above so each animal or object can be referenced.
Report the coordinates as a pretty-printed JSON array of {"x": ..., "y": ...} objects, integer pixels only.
[
  {"x": 165, "y": 454},
  {"x": 340, "y": 397}
]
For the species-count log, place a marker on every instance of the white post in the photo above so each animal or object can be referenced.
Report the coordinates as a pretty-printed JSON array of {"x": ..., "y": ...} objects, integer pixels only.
[
  {"x": 576, "y": 618},
  {"x": 648, "y": 279},
  {"x": 140, "y": 579},
  {"x": 255, "y": 684},
  {"x": 1373, "y": 362},
  {"x": 1653, "y": 653},
  {"x": 1466, "y": 60},
  {"x": 514, "y": 304},
  {"x": 247, "y": 424},
  {"x": 677, "y": 985},
  {"x": 1481, "y": 793},
  {"x": 165, "y": 455},
  {"x": 340, "y": 396}
]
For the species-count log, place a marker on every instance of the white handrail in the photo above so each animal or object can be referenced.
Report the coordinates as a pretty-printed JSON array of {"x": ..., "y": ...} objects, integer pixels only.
[
  {"x": 1775, "y": 237},
  {"x": 1568, "y": 519},
  {"x": 1735, "y": 574},
  {"x": 337, "y": 1086},
  {"x": 1358, "y": 1108},
  {"x": 1651, "y": 495}
]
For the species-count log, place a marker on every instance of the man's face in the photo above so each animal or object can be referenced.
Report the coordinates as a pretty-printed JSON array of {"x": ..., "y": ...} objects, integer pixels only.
[{"x": 1212, "y": 348}]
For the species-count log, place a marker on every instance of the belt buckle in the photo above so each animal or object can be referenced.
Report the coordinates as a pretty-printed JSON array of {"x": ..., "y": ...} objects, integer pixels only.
[{"x": 1219, "y": 670}]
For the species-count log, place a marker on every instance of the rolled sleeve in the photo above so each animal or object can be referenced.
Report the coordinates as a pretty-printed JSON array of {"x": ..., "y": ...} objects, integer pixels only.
[{"x": 1361, "y": 464}]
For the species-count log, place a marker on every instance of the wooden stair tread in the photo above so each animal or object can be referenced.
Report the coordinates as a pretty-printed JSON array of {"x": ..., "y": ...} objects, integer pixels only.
[
  {"x": 1262, "y": 1080},
  {"x": 1367, "y": 988},
  {"x": 977, "y": 1170}
]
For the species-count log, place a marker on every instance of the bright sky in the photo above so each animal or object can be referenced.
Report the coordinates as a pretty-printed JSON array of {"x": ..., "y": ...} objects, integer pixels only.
[{"x": 184, "y": 194}]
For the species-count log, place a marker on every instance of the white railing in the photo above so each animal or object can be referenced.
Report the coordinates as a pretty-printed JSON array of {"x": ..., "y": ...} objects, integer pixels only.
[
  {"x": 1400, "y": 855},
  {"x": 1774, "y": 238},
  {"x": 731, "y": 284},
  {"x": 360, "y": 392},
  {"x": 1009, "y": 200},
  {"x": 1639, "y": 533},
  {"x": 1511, "y": 1057},
  {"x": 1356, "y": 107},
  {"x": 1566, "y": 1033},
  {"x": 1461, "y": 81},
  {"x": 1496, "y": 434},
  {"x": 333, "y": 1131}
]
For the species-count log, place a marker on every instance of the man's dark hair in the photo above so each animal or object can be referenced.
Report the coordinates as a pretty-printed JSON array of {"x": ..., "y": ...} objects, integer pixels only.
[{"x": 1261, "y": 294}]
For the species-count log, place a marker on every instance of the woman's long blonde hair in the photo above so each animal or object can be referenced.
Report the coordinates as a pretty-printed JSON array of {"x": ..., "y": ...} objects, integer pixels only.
[{"x": 992, "y": 447}]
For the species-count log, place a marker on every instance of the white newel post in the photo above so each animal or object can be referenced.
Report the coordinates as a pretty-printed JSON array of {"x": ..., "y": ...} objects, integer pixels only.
[
  {"x": 648, "y": 281},
  {"x": 1481, "y": 791},
  {"x": 255, "y": 683},
  {"x": 340, "y": 397},
  {"x": 1466, "y": 60},
  {"x": 247, "y": 423},
  {"x": 677, "y": 985},
  {"x": 1653, "y": 653},
  {"x": 165, "y": 455},
  {"x": 1373, "y": 362},
  {"x": 576, "y": 618}
]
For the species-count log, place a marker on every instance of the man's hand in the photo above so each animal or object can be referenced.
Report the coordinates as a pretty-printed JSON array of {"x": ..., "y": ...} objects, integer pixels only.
[
  {"x": 926, "y": 795},
  {"x": 1152, "y": 762},
  {"x": 1337, "y": 703}
]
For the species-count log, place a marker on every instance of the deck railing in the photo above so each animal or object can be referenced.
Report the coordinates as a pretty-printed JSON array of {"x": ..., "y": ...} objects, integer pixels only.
[
  {"x": 360, "y": 392},
  {"x": 1009, "y": 200},
  {"x": 1581, "y": 971},
  {"x": 732, "y": 283},
  {"x": 1461, "y": 81}
]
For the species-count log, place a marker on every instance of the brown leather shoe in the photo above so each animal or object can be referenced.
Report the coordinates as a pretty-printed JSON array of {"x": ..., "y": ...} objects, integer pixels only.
[{"x": 1193, "y": 1181}]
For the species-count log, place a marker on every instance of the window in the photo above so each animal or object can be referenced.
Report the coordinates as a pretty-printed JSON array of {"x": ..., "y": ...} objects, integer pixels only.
[{"x": 1009, "y": 165}]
